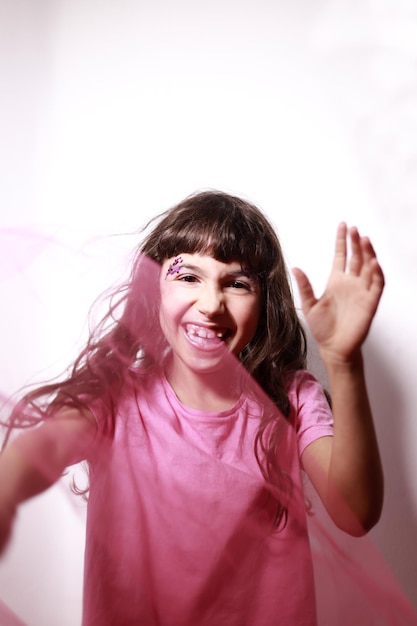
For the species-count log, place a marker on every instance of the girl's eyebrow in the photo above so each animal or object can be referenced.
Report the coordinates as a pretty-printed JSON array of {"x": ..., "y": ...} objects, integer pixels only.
[
  {"x": 245, "y": 273},
  {"x": 238, "y": 273}
]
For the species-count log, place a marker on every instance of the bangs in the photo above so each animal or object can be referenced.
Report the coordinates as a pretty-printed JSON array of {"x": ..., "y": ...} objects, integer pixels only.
[
  {"x": 227, "y": 228},
  {"x": 220, "y": 238}
]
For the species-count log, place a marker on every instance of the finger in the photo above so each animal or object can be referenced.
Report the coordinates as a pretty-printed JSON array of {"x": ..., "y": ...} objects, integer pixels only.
[
  {"x": 356, "y": 259},
  {"x": 368, "y": 251},
  {"x": 308, "y": 299},
  {"x": 370, "y": 263},
  {"x": 339, "y": 260},
  {"x": 374, "y": 279},
  {"x": 372, "y": 273},
  {"x": 378, "y": 278}
]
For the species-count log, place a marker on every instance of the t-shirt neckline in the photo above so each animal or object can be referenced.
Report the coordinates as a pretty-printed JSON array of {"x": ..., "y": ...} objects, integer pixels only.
[{"x": 198, "y": 413}]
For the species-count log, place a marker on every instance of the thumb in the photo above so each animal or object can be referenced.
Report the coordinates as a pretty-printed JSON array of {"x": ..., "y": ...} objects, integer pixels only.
[{"x": 308, "y": 299}]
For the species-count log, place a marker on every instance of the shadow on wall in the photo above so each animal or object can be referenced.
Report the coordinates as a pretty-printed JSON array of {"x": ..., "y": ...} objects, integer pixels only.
[{"x": 395, "y": 534}]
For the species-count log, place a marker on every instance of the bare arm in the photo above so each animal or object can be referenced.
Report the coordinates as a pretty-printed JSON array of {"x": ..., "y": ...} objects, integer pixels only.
[
  {"x": 37, "y": 458},
  {"x": 346, "y": 469}
]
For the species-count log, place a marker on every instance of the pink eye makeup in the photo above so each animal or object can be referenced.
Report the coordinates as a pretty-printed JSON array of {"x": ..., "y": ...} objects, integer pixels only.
[{"x": 174, "y": 267}]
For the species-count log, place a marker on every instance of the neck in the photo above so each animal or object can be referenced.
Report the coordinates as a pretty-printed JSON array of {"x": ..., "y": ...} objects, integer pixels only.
[{"x": 208, "y": 391}]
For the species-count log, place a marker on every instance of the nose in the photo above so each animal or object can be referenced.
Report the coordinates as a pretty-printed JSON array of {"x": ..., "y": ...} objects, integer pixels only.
[{"x": 210, "y": 301}]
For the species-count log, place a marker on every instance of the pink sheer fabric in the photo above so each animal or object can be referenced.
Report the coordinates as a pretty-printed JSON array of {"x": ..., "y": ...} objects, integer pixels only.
[
  {"x": 197, "y": 531},
  {"x": 352, "y": 583},
  {"x": 7, "y": 617}
]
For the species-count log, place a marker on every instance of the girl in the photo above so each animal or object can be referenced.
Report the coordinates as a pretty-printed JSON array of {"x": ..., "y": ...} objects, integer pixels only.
[{"x": 193, "y": 408}]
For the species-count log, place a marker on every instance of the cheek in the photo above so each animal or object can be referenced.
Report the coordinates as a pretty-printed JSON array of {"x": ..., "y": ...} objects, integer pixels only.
[
  {"x": 167, "y": 324},
  {"x": 251, "y": 313},
  {"x": 247, "y": 320},
  {"x": 170, "y": 307},
  {"x": 163, "y": 307},
  {"x": 164, "y": 314},
  {"x": 253, "y": 325},
  {"x": 253, "y": 320}
]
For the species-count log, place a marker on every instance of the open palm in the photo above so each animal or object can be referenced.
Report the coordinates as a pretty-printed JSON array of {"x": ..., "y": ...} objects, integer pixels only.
[{"x": 340, "y": 319}]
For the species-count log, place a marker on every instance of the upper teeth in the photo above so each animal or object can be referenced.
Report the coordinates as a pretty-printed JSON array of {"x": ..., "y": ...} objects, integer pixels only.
[{"x": 205, "y": 333}]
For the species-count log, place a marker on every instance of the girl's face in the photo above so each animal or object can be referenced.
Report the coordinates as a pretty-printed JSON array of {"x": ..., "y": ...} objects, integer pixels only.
[{"x": 207, "y": 307}]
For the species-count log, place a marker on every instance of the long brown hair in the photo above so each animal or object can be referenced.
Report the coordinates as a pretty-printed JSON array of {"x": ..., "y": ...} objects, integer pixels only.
[
  {"x": 228, "y": 228},
  {"x": 232, "y": 229}
]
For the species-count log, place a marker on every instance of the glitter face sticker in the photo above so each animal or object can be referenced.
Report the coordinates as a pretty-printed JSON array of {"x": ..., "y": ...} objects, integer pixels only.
[{"x": 174, "y": 267}]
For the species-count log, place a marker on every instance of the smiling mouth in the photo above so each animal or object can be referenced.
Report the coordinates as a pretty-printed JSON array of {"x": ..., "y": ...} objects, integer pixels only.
[{"x": 206, "y": 336}]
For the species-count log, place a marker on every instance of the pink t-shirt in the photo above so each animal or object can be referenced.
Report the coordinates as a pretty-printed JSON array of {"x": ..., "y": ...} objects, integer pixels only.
[{"x": 179, "y": 529}]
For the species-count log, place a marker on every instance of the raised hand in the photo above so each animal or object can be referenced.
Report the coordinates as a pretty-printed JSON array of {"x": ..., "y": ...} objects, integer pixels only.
[{"x": 340, "y": 319}]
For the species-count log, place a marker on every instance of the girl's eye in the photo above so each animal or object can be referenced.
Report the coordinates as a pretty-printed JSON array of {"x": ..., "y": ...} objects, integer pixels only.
[
  {"x": 238, "y": 284},
  {"x": 187, "y": 278}
]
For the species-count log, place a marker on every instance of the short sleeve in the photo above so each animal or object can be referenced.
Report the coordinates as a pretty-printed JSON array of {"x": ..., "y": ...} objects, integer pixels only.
[{"x": 314, "y": 418}]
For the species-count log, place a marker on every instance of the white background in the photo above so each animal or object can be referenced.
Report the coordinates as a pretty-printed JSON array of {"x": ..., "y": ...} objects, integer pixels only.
[{"x": 112, "y": 111}]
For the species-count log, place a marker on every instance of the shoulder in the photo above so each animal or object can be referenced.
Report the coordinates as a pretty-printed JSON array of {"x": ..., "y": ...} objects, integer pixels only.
[
  {"x": 141, "y": 389},
  {"x": 312, "y": 413},
  {"x": 306, "y": 391}
]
